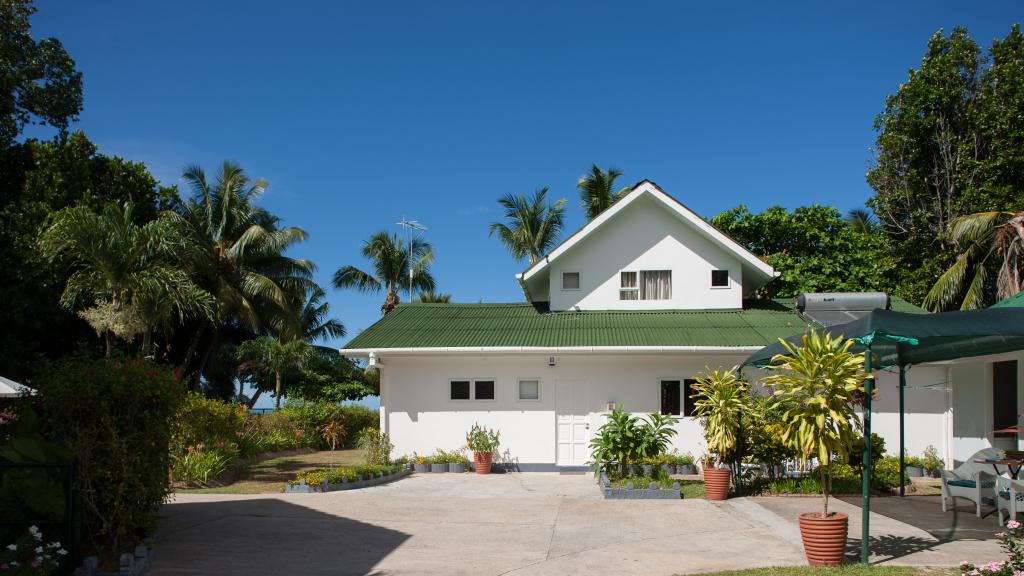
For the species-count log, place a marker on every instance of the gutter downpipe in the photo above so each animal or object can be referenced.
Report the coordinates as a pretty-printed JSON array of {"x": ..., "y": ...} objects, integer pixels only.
[{"x": 869, "y": 388}]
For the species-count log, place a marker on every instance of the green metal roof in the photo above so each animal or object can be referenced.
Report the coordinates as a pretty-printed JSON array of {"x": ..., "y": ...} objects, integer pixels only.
[
  {"x": 1015, "y": 301},
  {"x": 524, "y": 325}
]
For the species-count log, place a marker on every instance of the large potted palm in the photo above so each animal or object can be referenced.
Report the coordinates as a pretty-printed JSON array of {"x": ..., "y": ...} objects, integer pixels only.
[
  {"x": 815, "y": 385},
  {"x": 721, "y": 403}
]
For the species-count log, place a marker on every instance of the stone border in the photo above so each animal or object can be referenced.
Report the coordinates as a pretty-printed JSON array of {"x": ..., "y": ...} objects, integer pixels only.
[
  {"x": 652, "y": 492},
  {"x": 131, "y": 564},
  {"x": 303, "y": 488}
]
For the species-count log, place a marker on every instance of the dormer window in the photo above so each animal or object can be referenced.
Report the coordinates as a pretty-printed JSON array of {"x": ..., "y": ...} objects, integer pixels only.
[
  {"x": 645, "y": 285},
  {"x": 719, "y": 278},
  {"x": 570, "y": 280}
]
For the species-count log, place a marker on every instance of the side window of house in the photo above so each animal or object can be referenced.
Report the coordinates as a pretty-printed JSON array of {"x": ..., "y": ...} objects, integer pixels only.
[
  {"x": 645, "y": 285},
  {"x": 471, "y": 389},
  {"x": 628, "y": 289},
  {"x": 529, "y": 389},
  {"x": 719, "y": 278},
  {"x": 570, "y": 280},
  {"x": 688, "y": 396},
  {"x": 670, "y": 396}
]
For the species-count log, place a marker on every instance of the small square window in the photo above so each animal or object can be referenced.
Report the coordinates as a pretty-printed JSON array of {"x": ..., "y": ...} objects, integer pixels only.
[
  {"x": 484, "y": 390},
  {"x": 529, "y": 390},
  {"x": 628, "y": 289},
  {"x": 719, "y": 278},
  {"x": 570, "y": 280},
  {"x": 460, "y": 389}
]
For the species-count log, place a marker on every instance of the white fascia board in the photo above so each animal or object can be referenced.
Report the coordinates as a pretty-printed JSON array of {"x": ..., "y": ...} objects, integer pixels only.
[
  {"x": 563, "y": 350},
  {"x": 647, "y": 187}
]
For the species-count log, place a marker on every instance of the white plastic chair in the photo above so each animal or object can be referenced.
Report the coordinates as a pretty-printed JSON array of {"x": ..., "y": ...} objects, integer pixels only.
[
  {"x": 972, "y": 480},
  {"x": 1009, "y": 497}
]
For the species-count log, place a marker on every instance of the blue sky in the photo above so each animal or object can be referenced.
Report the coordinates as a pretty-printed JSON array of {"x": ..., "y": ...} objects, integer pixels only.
[{"x": 360, "y": 113}]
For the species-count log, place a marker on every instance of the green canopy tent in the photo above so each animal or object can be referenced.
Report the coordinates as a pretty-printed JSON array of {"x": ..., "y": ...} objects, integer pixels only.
[{"x": 900, "y": 339}]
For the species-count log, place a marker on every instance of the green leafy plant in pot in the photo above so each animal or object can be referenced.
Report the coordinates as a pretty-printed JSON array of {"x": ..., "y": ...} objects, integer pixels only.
[
  {"x": 815, "y": 386},
  {"x": 722, "y": 401},
  {"x": 482, "y": 442}
]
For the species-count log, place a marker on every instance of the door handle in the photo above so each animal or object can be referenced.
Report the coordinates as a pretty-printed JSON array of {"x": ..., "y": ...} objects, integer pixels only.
[{"x": 588, "y": 426}]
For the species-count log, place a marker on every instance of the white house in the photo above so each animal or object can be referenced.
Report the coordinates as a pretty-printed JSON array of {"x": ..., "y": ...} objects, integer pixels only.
[{"x": 628, "y": 310}]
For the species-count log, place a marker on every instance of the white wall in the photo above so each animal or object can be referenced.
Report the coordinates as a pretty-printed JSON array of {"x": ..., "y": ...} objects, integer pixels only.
[
  {"x": 972, "y": 406},
  {"x": 645, "y": 236},
  {"x": 417, "y": 412}
]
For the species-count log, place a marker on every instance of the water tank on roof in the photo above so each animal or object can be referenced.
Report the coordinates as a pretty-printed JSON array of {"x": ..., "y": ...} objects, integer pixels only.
[{"x": 847, "y": 301}]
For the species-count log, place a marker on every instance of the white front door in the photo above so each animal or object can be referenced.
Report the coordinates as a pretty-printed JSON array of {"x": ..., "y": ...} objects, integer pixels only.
[{"x": 571, "y": 401}]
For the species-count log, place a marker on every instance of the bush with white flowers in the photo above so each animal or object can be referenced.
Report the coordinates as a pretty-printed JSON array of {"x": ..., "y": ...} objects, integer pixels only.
[{"x": 31, "y": 554}]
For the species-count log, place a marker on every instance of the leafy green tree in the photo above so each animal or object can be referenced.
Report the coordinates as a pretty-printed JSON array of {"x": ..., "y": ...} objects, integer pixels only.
[
  {"x": 274, "y": 356},
  {"x": 984, "y": 240},
  {"x": 597, "y": 190},
  {"x": 392, "y": 261},
  {"x": 812, "y": 248},
  {"x": 431, "y": 297},
  {"x": 240, "y": 256},
  {"x": 532, "y": 226},
  {"x": 128, "y": 278},
  {"x": 863, "y": 221},
  {"x": 38, "y": 80},
  {"x": 950, "y": 143}
]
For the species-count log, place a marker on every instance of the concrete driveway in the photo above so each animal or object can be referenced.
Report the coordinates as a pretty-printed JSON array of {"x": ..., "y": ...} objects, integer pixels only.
[{"x": 467, "y": 524}]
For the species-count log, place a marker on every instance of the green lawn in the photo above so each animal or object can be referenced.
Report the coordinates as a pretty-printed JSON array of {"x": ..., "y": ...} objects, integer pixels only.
[
  {"x": 849, "y": 570},
  {"x": 269, "y": 476}
]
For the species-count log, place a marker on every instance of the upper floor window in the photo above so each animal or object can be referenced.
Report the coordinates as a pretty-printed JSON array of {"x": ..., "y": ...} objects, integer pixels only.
[
  {"x": 570, "y": 280},
  {"x": 645, "y": 285},
  {"x": 719, "y": 278}
]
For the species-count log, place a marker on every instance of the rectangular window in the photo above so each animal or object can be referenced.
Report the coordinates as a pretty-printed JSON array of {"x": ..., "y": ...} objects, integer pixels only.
[
  {"x": 1004, "y": 396},
  {"x": 628, "y": 289},
  {"x": 670, "y": 391},
  {"x": 688, "y": 396},
  {"x": 460, "y": 389},
  {"x": 570, "y": 280},
  {"x": 655, "y": 284},
  {"x": 719, "y": 278},
  {"x": 484, "y": 390},
  {"x": 529, "y": 390}
]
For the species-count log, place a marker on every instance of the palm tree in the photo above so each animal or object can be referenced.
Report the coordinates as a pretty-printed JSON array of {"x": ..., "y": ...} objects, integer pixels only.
[
  {"x": 532, "y": 225},
  {"x": 985, "y": 239},
  {"x": 431, "y": 297},
  {"x": 861, "y": 220},
  {"x": 241, "y": 258},
  {"x": 597, "y": 190},
  {"x": 271, "y": 355},
  {"x": 130, "y": 279},
  {"x": 392, "y": 261}
]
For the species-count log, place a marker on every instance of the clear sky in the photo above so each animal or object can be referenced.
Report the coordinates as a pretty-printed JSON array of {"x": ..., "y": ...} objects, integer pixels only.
[{"x": 360, "y": 113}]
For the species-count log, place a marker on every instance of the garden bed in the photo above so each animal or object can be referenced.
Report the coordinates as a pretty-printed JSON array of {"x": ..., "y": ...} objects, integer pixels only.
[
  {"x": 639, "y": 488},
  {"x": 344, "y": 479}
]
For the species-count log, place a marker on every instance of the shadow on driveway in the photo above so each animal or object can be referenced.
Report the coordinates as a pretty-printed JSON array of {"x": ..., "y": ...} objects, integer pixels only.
[
  {"x": 925, "y": 512},
  {"x": 266, "y": 536}
]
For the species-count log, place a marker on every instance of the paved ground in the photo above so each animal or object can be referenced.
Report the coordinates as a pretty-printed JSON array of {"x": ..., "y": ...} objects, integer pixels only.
[{"x": 497, "y": 524}]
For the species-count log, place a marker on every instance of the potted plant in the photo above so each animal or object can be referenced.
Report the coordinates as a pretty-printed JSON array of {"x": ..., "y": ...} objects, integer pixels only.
[
  {"x": 933, "y": 463},
  {"x": 457, "y": 461},
  {"x": 915, "y": 466},
  {"x": 439, "y": 462},
  {"x": 685, "y": 465},
  {"x": 815, "y": 386},
  {"x": 721, "y": 403},
  {"x": 421, "y": 463},
  {"x": 482, "y": 442}
]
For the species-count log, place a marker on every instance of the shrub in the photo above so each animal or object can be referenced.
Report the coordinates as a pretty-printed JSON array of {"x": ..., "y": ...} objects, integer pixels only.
[
  {"x": 482, "y": 440},
  {"x": 887, "y": 473},
  {"x": 31, "y": 554},
  {"x": 201, "y": 463},
  {"x": 201, "y": 420},
  {"x": 356, "y": 419},
  {"x": 310, "y": 417},
  {"x": 932, "y": 462},
  {"x": 116, "y": 419},
  {"x": 333, "y": 432},
  {"x": 377, "y": 445},
  {"x": 1011, "y": 540},
  {"x": 626, "y": 439}
]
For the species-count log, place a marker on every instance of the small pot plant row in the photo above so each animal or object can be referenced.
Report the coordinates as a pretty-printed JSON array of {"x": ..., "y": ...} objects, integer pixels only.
[
  {"x": 345, "y": 478},
  {"x": 441, "y": 461},
  {"x": 672, "y": 463},
  {"x": 929, "y": 464}
]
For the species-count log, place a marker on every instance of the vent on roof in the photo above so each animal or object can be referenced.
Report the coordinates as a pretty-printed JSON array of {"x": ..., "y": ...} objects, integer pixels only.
[{"x": 831, "y": 308}]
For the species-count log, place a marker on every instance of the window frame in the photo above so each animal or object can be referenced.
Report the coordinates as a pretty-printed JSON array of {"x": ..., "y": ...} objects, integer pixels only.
[
  {"x": 661, "y": 385},
  {"x": 728, "y": 279},
  {"x": 635, "y": 289},
  {"x": 579, "y": 281},
  {"x": 686, "y": 404},
  {"x": 640, "y": 281},
  {"x": 472, "y": 389},
  {"x": 519, "y": 390}
]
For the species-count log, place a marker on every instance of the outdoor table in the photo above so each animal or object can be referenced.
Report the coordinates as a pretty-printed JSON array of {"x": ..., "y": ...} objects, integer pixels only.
[{"x": 1010, "y": 463}]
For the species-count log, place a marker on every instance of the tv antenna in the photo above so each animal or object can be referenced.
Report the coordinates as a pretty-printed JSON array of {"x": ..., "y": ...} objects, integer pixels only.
[{"x": 412, "y": 227}]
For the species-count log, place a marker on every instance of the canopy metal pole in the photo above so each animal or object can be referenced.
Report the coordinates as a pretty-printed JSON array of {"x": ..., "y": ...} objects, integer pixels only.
[
  {"x": 869, "y": 388},
  {"x": 903, "y": 449}
]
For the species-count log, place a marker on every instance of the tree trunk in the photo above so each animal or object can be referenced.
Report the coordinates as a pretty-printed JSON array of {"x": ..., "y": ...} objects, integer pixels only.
[
  {"x": 277, "y": 390},
  {"x": 193, "y": 345},
  {"x": 256, "y": 396},
  {"x": 825, "y": 481},
  {"x": 206, "y": 358},
  {"x": 147, "y": 342},
  {"x": 107, "y": 337},
  {"x": 241, "y": 391}
]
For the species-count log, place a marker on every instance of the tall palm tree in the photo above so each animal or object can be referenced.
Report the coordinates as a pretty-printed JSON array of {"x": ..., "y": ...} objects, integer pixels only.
[
  {"x": 431, "y": 297},
  {"x": 271, "y": 355},
  {"x": 241, "y": 257},
  {"x": 861, "y": 220},
  {"x": 985, "y": 239},
  {"x": 532, "y": 226},
  {"x": 130, "y": 279},
  {"x": 392, "y": 261},
  {"x": 597, "y": 190}
]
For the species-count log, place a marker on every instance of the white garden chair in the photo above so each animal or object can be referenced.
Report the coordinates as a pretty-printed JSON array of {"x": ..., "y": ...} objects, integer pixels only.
[
  {"x": 972, "y": 480},
  {"x": 1009, "y": 497}
]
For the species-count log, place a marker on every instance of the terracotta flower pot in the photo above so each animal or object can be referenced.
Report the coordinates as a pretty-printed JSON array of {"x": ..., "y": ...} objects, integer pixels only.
[
  {"x": 482, "y": 462},
  {"x": 824, "y": 538},
  {"x": 716, "y": 483}
]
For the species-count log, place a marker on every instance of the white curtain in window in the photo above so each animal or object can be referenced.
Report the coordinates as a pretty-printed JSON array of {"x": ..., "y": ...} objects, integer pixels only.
[{"x": 656, "y": 285}]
